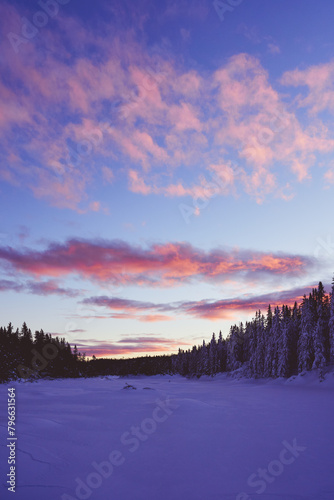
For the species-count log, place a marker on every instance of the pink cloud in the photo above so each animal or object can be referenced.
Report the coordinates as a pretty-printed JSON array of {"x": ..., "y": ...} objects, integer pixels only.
[
  {"x": 137, "y": 184},
  {"x": 221, "y": 182},
  {"x": 45, "y": 288},
  {"x": 153, "y": 318},
  {"x": 184, "y": 118},
  {"x": 50, "y": 287},
  {"x": 203, "y": 309},
  {"x": 131, "y": 149},
  {"x": 231, "y": 308},
  {"x": 329, "y": 175},
  {"x": 160, "y": 264},
  {"x": 319, "y": 81},
  {"x": 189, "y": 84},
  {"x": 167, "y": 116},
  {"x": 145, "y": 141},
  {"x": 108, "y": 174},
  {"x": 63, "y": 193},
  {"x": 128, "y": 346},
  {"x": 10, "y": 285}
]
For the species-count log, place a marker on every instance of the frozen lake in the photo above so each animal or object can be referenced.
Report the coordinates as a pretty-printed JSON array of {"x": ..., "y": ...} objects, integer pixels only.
[{"x": 172, "y": 439}]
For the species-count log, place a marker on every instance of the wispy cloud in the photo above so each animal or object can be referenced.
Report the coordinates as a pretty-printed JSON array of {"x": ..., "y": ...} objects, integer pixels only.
[
  {"x": 131, "y": 309},
  {"x": 132, "y": 345},
  {"x": 253, "y": 34},
  {"x": 8, "y": 285},
  {"x": 231, "y": 308},
  {"x": 167, "y": 114},
  {"x": 318, "y": 81},
  {"x": 49, "y": 287},
  {"x": 202, "y": 309}
]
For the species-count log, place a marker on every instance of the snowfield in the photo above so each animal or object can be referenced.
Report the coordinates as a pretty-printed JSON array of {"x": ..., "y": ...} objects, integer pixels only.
[{"x": 170, "y": 438}]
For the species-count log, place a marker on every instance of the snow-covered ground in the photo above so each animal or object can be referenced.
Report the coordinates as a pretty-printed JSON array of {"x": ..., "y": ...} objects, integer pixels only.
[{"x": 172, "y": 439}]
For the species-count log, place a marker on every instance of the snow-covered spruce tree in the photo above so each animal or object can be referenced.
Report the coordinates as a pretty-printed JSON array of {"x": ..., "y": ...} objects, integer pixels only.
[
  {"x": 217, "y": 361},
  {"x": 229, "y": 350},
  {"x": 247, "y": 329},
  {"x": 276, "y": 334},
  {"x": 260, "y": 348},
  {"x": 5, "y": 355},
  {"x": 14, "y": 357},
  {"x": 295, "y": 335},
  {"x": 269, "y": 346},
  {"x": 175, "y": 363},
  {"x": 221, "y": 351},
  {"x": 198, "y": 360},
  {"x": 284, "y": 365},
  {"x": 256, "y": 346},
  {"x": 243, "y": 342},
  {"x": 269, "y": 318},
  {"x": 235, "y": 343},
  {"x": 252, "y": 331},
  {"x": 321, "y": 332},
  {"x": 213, "y": 356},
  {"x": 331, "y": 325},
  {"x": 193, "y": 360},
  {"x": 308, "y": 322},
  {"x": 204, "y": 360},
  {"x": 26, "y": 344},
  {"x": 178, "y": 364}
]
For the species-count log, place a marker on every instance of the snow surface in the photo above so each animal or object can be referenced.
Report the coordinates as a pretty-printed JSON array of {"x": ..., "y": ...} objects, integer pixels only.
[{"x": 209, "y": 437}]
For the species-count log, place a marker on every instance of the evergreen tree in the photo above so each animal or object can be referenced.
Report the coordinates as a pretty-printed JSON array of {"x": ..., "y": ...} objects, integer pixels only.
[
  {"x": 286, "y": 341},
  {"x": 213, "y": 356},
  {"x": 270, "y": 345},
  {"x": 321, "y": 330},
  {"x": 26, "y": 343},
  {"x": 331, "y": 325},
  {"x": 260, "y": 347},
  {"x": 295, "y": 335},
  {"x": 284, "y": 355},
  {"x": 204, "y": 360},
  {"x": 306, "y": 346},
  {"x": 221, "y": 350}
]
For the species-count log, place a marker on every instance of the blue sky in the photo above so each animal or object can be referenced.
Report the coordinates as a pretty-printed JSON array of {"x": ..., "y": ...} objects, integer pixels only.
[{"x": 164, "y": 172}]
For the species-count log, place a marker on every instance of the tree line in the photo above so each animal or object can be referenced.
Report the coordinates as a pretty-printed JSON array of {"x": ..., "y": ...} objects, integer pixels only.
[
  {"x": 287, "y": 341},
  {"x": 284, "y": 342},
  {"x": 26, "y": 356}
]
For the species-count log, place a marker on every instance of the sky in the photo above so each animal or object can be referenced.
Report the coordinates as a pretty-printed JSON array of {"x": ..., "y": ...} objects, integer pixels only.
[{"x": 166, "y": 167}]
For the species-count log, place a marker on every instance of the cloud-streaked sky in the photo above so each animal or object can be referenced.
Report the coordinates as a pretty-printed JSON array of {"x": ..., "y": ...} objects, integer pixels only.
[{"x": 166, "y": 168}]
